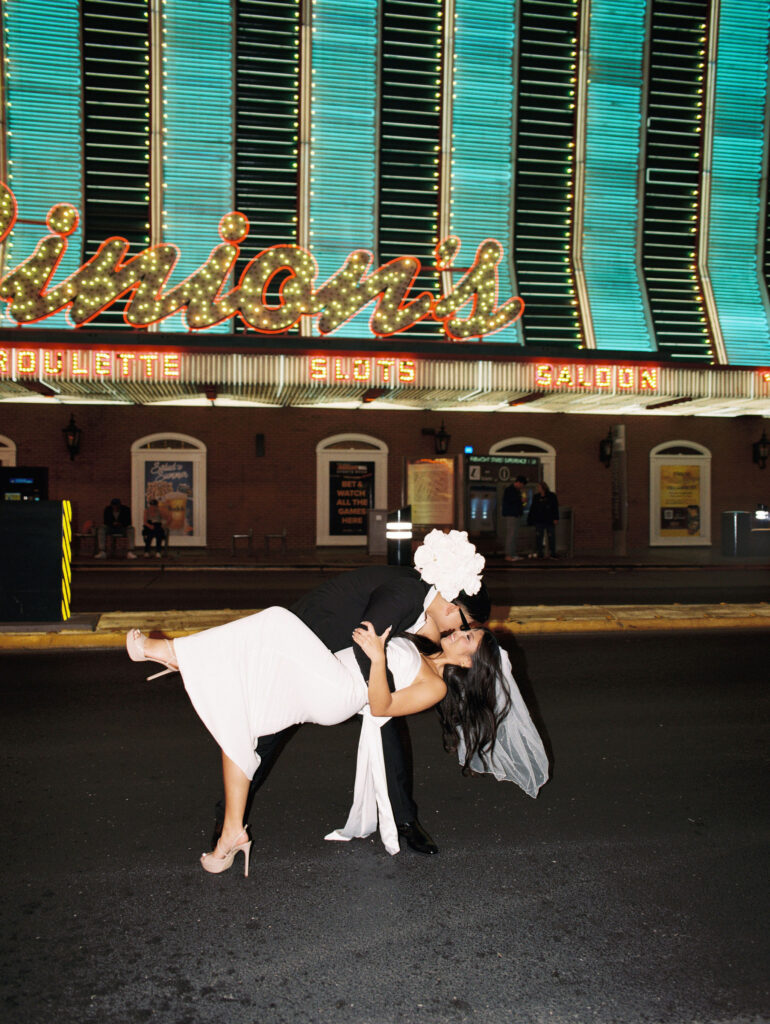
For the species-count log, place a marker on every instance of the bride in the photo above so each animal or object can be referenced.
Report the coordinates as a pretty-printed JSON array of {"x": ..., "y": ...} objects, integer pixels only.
[
  {"x": 265, "y": 672},
  {"x": 259, "y": 675}
]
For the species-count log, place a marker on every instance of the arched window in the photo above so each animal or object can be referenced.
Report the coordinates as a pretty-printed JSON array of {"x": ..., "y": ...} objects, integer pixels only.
[
  {"x": 680, "y": 494},
  {"x": 351, "y": 478},
  {"x": 7, "y": 451},
  {"x": 172, "y": 469},
  {"x": 530, "y": 448}
]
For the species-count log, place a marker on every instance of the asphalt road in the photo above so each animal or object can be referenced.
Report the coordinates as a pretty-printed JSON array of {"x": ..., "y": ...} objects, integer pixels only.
[
  {"x": 633, "y": 889},
  {"x": 105, "y": 590}
]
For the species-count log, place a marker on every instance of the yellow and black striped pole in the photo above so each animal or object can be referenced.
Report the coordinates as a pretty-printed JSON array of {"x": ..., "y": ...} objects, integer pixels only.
[{"x": 66, "y": 559}]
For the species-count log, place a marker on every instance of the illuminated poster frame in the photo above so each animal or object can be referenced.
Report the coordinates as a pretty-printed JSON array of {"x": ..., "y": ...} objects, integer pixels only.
[
  {"x": 355, "y": 449},
  {"x": 680, "y": 495},
  {"x": 176, "y": 477},
  {"x": 351, "y": 495},
  {"x": 430, "y": 491}
]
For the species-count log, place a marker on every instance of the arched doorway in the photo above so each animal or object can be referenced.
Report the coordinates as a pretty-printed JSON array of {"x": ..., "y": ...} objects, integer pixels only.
[
  {"x": 351, "y": 478},
  {"x": 519, "y": 456},
  {"x": 171, "y": 468},
  {"x": 7, "y": 451},
  {"x": 530, "y": 448},
  {"x": 680, "y": 494}
]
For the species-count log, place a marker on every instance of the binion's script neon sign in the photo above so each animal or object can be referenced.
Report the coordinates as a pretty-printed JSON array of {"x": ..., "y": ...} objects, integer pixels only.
[{"x": 291, "y": 270}]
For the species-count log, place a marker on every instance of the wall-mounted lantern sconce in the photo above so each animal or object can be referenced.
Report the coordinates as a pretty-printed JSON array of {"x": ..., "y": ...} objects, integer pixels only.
[
  {"x": 761, "y": 450},
  {"x": 605, "y": 449},
  {"x": 72, "y": 435},
  {"x": 440, "y": 438}
]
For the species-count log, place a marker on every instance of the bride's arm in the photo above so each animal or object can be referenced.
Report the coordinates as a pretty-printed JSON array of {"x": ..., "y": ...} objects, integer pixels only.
[{"x": 427, "y": 689}]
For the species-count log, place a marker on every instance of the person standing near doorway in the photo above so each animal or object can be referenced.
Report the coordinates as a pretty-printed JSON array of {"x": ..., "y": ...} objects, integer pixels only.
[
  {"x": 543, "y": 515},
  {"x": 513, "y": 510}
]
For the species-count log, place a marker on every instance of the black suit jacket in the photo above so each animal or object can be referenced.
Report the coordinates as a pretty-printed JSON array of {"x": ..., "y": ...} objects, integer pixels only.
[
  {"x": 385, "y": 595},
  {"x": 119, "y": 521}
]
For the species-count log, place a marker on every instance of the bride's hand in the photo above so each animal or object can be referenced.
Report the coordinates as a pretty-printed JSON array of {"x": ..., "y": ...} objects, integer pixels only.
[{"x": 370, "y": 643}]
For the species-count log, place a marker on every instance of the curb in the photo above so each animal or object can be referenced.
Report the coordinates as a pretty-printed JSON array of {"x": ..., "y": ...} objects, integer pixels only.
[{"x": 109, "y": 630}]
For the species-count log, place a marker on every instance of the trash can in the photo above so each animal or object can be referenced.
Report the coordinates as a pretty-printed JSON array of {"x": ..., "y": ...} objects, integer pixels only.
[
  {"x": 377, "y": 543},
  {"x": 565, "y": 533},
  {"x": 736, "y": 533}
]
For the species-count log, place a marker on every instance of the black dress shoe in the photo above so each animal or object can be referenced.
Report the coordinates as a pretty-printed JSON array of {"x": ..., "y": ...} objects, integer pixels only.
[{"x": 416, "y": 837}]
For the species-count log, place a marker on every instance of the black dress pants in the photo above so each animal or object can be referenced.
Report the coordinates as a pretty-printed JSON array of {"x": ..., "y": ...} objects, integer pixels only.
[{"x": 397, "y": 751}]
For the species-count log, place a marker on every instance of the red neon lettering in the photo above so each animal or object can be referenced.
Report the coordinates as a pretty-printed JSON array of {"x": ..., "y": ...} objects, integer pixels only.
[
  {"x": 124, "y": 359},
  {"x": 407, "y": 371},
  {"x": 543, "y": 375},
  {"x": 75, "y": 368},
  {"x": 26, "y": 361},
  {"x": 4, "y": 359},
  {"x": 102, "y": 364},
  {"x": 386, "y": 365},
  {"x": 339, "y": 372},
  {"x": 583, "y": 380},
  {"x": 362, "y": 369},
  {"x": 47, "y": 368},
  {"x": 603, "y": 377},
  {"x": 149, "y": 359},
  {"x": 649, "y": 380},
  {"x": 625, "y": 376},
  {"x": 319, "y": 369},
  {"x": 171, "y": 366},
  {"x": 565, "y": 377}
]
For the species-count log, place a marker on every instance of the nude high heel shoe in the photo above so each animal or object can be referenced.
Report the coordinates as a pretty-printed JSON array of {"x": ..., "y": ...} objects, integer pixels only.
[
  {"x": 216, "y": 865},
  {"x": 135, "y": 641}
]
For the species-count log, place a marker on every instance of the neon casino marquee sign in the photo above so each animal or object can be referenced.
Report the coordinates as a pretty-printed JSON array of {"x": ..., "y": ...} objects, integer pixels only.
[
  {"x": 124, "y": 364},
  {"x": 286, "y": 273},
  {"x": 595, "y": 376},
  {"x": 20, "y": 363},
  {"x": 121, "y": 363}
]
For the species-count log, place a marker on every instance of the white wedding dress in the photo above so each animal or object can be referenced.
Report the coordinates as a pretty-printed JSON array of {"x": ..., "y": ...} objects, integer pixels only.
[{"x": 263, "y": 673}]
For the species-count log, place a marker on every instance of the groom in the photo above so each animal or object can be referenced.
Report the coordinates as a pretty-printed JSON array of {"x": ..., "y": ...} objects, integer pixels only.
[{"x": 385, "y": 596}]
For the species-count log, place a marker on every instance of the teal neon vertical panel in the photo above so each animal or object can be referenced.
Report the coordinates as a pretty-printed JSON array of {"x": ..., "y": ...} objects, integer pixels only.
[
  {"x": 482, "y": 136},
  {"x": 734, "y": 215},
  {"x": 343, "y": 179},
  {"x": 198, "y": 158},
  {"x": 547, "y": 43},
  {"x": 611, "y": 200},
  {"x": 43, "y": 111}
]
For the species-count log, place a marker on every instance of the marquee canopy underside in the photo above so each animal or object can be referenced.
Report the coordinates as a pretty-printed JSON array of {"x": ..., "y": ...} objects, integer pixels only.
[{"x": 341, "y": 380}]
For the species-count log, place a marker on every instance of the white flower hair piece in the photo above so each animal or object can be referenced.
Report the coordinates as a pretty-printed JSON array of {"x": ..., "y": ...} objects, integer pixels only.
[{"x": 450, "y": 563}]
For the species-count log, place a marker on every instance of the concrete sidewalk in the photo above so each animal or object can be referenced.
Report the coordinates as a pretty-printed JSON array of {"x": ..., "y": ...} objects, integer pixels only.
[
  {"x": 109, "y": 629},
  {"x": 186, "y": 559}
]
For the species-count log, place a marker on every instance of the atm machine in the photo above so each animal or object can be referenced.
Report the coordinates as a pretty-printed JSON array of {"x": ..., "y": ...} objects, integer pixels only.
[
  {"x": 484, "y": 479},
  {"x": 482, "y": 509},
  {"x": 23, "y": 483}
]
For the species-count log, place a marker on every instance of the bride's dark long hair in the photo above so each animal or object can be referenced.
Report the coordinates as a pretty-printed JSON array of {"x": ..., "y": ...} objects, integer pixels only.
[{"x": 477, "y": 699}]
